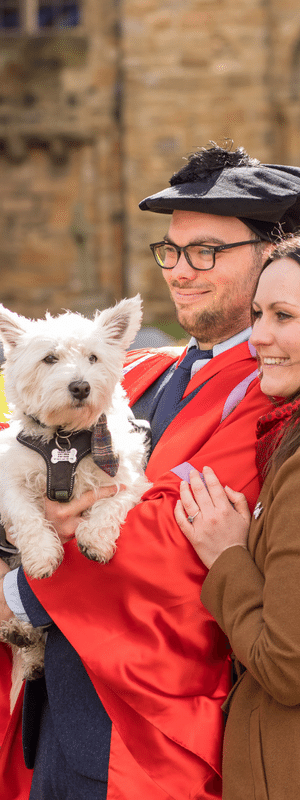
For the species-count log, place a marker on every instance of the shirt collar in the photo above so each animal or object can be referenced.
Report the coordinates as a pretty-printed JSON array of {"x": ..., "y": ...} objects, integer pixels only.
[{"x": 240, "y": 337}]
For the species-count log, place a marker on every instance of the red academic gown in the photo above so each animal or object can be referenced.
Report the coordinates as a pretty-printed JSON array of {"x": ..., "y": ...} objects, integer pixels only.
[
  {"x": 156, "y": 657},
  {"x": 15, "y": 780}
]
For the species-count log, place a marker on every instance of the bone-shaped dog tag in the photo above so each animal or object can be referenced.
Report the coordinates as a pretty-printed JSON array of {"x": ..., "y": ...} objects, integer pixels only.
[{"x": 64, "y": 455}]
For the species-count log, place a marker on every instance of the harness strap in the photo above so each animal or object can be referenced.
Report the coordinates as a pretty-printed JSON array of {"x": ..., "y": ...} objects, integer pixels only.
[{"x": 61, "y": 461}]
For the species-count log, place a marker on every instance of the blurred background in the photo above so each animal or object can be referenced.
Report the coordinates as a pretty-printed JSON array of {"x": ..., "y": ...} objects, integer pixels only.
[{"x": 100, "y": 101}]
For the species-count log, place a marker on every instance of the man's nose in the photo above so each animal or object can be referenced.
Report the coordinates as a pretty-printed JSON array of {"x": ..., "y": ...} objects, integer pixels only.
[{"x": 183, "y": 269}]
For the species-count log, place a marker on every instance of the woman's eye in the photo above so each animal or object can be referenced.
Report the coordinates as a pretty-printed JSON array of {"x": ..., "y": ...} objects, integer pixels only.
[
  {"x": 283, "y": 316},
  {"x": 50, "y": 359},
  {"x": 255, "y": 314},
  {"x": 93, "y": 359}
]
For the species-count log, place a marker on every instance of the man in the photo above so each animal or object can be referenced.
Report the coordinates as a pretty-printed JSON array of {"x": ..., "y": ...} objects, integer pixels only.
[{"x": 146, "y": 646}]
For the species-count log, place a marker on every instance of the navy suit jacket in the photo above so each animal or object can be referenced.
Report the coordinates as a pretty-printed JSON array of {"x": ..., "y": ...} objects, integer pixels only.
[{"x": 81, "y": 723}]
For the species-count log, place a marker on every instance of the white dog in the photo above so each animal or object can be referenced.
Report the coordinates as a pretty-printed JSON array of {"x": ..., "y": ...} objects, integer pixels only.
[
  {"x": 62, "y": 377},
  {"x": 70, "y": 431}
]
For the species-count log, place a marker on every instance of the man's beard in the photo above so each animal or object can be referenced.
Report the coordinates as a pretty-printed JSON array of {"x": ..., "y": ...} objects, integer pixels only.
[
  {"x": 208, "y": 326},
  {"x": 220, "y": 324}
]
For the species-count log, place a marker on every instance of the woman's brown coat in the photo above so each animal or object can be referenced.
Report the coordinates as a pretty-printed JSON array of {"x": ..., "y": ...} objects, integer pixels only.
[{"x": 255, "y": 597}]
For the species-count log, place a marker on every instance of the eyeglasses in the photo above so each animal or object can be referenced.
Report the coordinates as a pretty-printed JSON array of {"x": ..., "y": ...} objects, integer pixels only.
[{"x": 198, "y": 256}]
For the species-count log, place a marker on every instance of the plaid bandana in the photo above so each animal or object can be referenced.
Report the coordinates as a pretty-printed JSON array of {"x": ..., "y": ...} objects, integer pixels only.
[
  {"x": 101, "y": 448},
  {"x": 269, "y": 432}
]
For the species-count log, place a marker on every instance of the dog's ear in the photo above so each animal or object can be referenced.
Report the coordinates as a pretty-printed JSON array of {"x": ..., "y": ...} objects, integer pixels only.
[
  {"x": 11, "y": 327},
  {"x": 122, "y": 322}
]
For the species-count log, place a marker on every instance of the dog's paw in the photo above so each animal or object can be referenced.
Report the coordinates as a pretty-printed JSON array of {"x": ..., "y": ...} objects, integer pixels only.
[
  {"x": 97, "y": 554},
  {"x": 18, "y": 633},
  {"x": 30, "y": 641},
  {"x": 33, "y": 672},
  {"x": 41, "y": 572},
  {"x": 42, "y": 566},
  {"x": 94, "y": 544},
  {"x": 11, "y": 632},
  {"x": 33, "y": 661}
]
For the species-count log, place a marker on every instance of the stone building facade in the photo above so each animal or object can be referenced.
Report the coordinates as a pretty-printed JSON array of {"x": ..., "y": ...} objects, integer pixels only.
[{"x": 99, "y": 102}]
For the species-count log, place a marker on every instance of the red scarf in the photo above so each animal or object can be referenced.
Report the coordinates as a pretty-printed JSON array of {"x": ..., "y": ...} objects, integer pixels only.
[{"x": 269, "y": 432}]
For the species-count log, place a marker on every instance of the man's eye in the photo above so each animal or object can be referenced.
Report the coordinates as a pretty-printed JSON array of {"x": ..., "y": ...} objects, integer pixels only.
[
  {"x": 93, "y": 358},
  {"x": 50, "y": 359},
  {"x": 205, "y": 251}
]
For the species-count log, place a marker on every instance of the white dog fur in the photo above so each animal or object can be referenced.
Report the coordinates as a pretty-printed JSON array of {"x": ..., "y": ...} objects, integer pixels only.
[{"x": 42, "y": 358}]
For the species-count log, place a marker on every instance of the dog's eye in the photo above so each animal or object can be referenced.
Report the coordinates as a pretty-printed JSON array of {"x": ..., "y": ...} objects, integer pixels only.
[
  {"x": 93, "y": 359},
  {"x": 51, "y": 359}
]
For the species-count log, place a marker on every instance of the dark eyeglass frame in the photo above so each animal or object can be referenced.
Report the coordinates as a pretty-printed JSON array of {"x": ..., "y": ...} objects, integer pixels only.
[{"x": 213, "y": 248}]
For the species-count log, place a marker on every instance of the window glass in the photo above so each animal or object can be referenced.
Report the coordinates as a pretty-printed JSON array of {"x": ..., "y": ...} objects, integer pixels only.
[
  {"x": 9, "y": 15},
  {"x": 58, "y": 15}
]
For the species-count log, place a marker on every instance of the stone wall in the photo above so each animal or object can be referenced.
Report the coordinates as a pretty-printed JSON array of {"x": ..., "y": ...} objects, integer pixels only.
[
  {"x": 200, "y": 70},
  {"x": 61, "y": 222},
  {"x": 94, "y": 119}
]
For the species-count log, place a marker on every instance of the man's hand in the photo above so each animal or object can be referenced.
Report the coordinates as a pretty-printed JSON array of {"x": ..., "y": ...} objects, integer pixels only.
[
  {"x": 217, "y": 518},
  {"x": 65, "y": 517},
  {"x": 5, "y": 612}
]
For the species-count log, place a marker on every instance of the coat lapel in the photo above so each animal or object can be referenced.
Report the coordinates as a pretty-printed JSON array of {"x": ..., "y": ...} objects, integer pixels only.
[{"x": 198, "y": 420}]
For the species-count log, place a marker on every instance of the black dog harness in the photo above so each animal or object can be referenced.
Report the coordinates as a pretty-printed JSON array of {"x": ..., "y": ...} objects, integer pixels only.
[
  {"x": 65, "y": 450},
  {"x": 62, "y": 454}
]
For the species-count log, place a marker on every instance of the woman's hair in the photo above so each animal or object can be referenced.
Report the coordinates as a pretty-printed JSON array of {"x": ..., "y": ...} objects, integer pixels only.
[{"x": 289, "y": 247}]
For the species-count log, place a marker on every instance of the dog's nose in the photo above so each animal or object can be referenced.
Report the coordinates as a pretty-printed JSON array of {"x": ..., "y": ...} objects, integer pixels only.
[{"x": 79, "y": 389}]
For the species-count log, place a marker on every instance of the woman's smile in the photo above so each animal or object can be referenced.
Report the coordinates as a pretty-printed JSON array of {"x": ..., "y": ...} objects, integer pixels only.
[
  {"x": 276, "y": 328},
  {"x": 271, "y": 360}
]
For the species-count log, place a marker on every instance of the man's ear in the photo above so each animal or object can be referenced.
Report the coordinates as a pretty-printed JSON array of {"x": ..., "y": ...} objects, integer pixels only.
[{"x": 268, "y": 249}]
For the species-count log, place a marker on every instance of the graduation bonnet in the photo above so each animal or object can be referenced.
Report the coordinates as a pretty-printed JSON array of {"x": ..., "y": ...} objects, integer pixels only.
[{"x": 266, "y": 197}]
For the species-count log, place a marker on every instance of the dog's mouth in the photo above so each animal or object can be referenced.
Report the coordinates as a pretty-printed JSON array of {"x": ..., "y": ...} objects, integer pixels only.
[{"x": 75, "y": 415}]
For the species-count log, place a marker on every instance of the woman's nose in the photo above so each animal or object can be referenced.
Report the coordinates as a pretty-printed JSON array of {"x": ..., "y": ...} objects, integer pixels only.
[{"x": 261, "y": 333}]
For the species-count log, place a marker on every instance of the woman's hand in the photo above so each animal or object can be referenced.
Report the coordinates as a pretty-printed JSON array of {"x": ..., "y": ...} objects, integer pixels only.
[
  {"x": 65, "y": 517},
  {"x": 221, "y": 516}
]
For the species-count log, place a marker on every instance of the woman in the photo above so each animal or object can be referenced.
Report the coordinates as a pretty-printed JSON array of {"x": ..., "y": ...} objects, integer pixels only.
[{"x": 254, "y": 591}]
